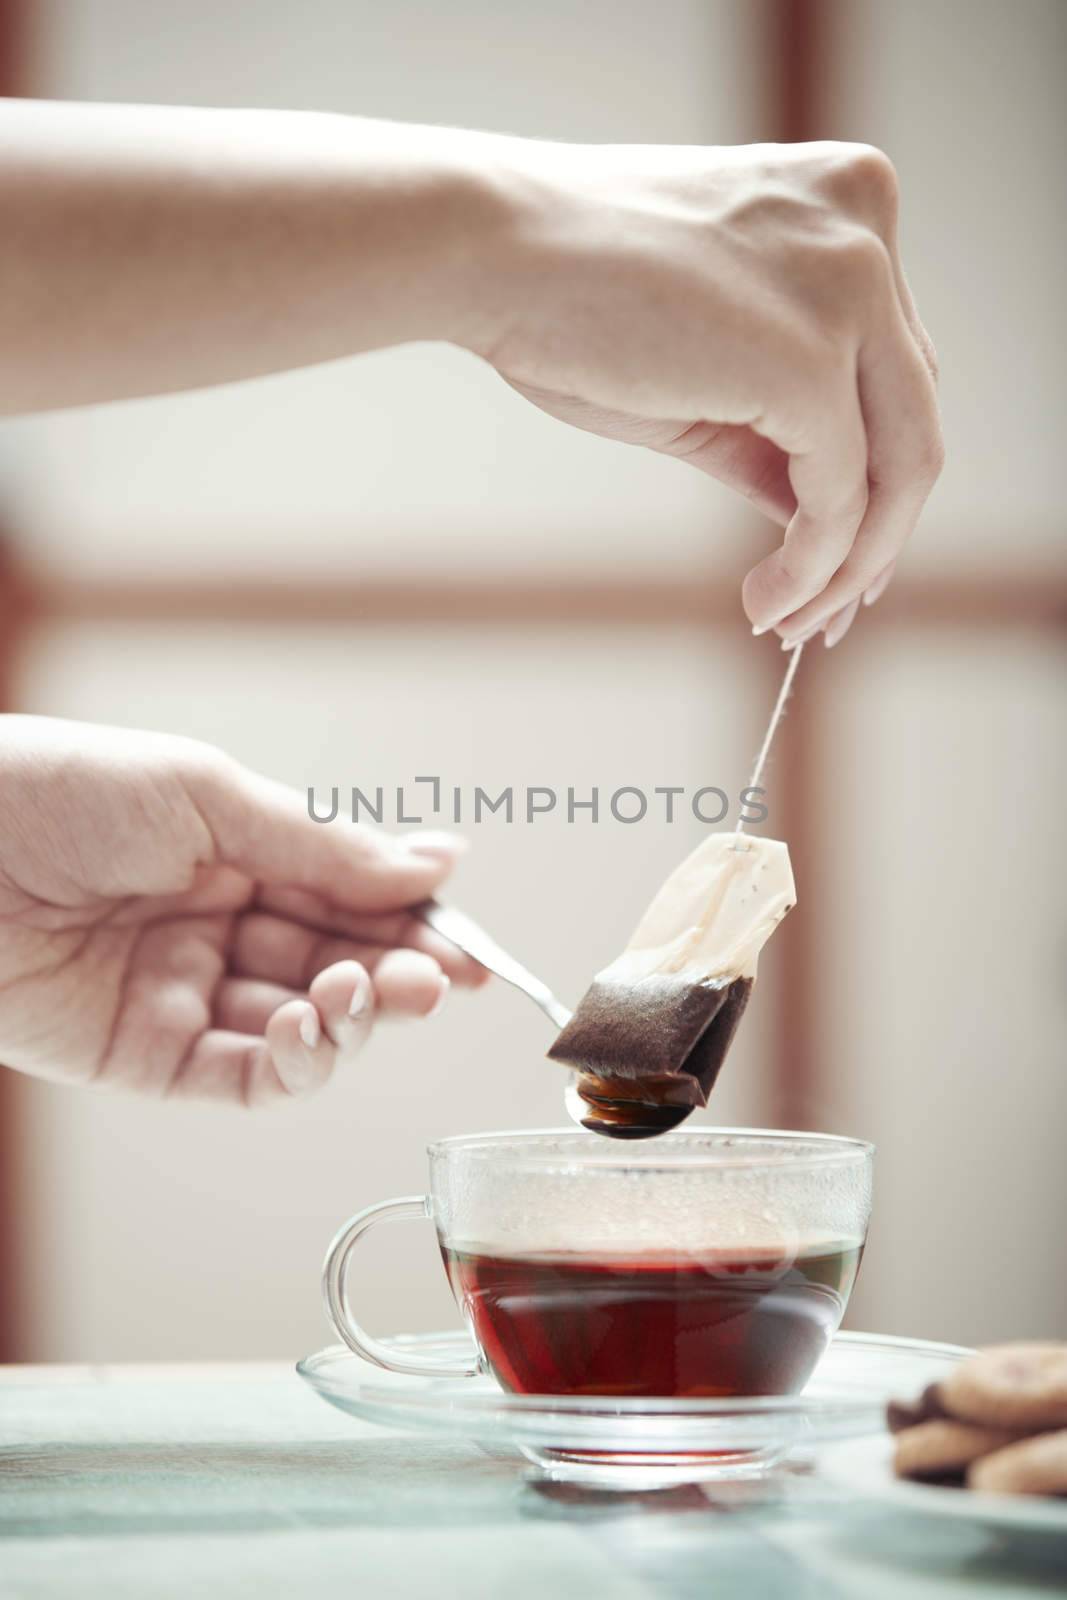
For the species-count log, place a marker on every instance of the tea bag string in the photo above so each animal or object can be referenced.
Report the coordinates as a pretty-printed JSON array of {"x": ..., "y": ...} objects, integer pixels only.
[{"x": 772, "y": 729}]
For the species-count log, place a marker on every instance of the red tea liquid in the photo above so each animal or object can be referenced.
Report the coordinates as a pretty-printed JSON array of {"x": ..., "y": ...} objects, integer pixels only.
[{"x": 724, "y": 1324}]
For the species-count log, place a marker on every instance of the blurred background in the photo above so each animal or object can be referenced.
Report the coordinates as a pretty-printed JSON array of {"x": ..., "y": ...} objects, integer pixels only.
[{"x": 392, "y": 566}]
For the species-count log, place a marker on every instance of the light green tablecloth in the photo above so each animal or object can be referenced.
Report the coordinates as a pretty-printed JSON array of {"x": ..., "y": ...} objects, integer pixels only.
[{"x": 234, "y": 1482}]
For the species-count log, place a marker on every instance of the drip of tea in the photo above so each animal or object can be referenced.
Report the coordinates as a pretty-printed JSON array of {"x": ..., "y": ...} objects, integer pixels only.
[
  {"x": 746, "y": 1322},
  {"x": 600, "y": 1105}
]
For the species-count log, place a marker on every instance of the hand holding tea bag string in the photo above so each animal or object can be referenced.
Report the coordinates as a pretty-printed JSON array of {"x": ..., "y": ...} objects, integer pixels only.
[
  {"x": 172, "y": 922},
  {"x": 742, "y": 308}
]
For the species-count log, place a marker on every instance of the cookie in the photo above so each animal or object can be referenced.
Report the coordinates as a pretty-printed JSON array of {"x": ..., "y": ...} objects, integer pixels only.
[
  {"x": 1017, "y": 1386},
  {"x": 944, "y": 1449},
  {"x": 901, "y": 1414},
  {"x": 1032, "y": 1466}
]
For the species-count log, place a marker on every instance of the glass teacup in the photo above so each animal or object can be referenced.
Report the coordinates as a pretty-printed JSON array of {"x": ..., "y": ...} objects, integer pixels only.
[{"x": 713, "y": 1262}]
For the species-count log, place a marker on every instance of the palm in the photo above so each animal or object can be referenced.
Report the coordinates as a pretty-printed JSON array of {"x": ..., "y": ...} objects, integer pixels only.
[
  {"x": 154, "y": 936},
  {"x": 133, "y": 983},
  {"x": 166, "y": 984}
]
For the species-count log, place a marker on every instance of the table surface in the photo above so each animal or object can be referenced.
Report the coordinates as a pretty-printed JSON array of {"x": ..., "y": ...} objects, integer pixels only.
[{"x": 234, "y": 1481}]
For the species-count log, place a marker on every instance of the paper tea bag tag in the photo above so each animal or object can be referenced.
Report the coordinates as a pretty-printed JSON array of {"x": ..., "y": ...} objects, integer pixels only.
[{"x": 654, "y": 1027}]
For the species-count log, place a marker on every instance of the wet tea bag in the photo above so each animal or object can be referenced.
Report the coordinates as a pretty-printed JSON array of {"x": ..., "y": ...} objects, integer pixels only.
[{"x": 652, "y": 1030}]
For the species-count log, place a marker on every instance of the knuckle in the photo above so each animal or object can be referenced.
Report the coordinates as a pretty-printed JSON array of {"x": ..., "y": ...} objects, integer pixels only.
[
  {"x": 840, "y": 502},
  {"x": 843, "y": 527},
  {"x": 876, "y": 177},
  {"x": 864, "y": 181},
  {"x": 810, "y": 569},
  {"x": 205, "y": 764},
  {"x": 852, "y": 504},
  {"x": 852, "y": 275},
  {"x": 863, "y": 261},
  {"x": 860, "y": 571}
]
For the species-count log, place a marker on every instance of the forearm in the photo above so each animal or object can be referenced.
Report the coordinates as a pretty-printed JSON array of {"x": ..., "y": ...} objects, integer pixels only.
[{"x": 146, "y": 249}]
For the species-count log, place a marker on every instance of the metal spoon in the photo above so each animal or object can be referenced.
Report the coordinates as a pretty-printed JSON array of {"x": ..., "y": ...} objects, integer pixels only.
[{"x": 466, "y": 935}]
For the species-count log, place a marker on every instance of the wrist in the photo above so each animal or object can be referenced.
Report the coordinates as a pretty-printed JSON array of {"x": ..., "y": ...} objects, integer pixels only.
[
  {"x": 466, "y": 226},
  {"x": 504, "y": 201}
]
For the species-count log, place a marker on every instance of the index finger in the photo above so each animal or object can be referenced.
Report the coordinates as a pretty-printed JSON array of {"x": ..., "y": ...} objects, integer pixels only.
[{"x": 828, "y": 472}]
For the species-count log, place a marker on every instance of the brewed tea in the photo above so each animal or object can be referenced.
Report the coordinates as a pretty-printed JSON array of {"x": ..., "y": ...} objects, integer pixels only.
[{"x": 722, "y": 1324}]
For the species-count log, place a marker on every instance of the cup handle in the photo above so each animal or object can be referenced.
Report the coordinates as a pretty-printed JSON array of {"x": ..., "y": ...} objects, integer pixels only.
[{"x": 335, "y": 1292}]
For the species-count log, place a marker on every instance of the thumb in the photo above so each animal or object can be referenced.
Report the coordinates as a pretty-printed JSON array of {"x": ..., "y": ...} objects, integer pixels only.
[
  {"x": 264, "y": 829},
  {"x": 740, "y": 458}
]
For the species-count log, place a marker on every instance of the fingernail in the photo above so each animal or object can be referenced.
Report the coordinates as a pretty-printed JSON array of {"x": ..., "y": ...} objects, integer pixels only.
[
  {"x": 360, "y": 996},
  {"x": 800, "y": 638},
  {"x": 775, "y": 622},
  {"x": 877, "y": 589},
  {"x": 438, "y": 1005},
  {"x": 839, "y": 626},
  {"x": 310, "y": 1027},
  {"x": 434, "y": 846}
]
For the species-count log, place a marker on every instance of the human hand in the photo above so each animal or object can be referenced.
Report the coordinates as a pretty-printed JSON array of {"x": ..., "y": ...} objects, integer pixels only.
[
  {"x": 172, "y": 922},
  {"x": 744, "y": 309}
]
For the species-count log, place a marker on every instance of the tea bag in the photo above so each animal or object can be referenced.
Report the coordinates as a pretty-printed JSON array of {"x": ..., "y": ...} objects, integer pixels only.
[{"x": 652, "y": 1030}]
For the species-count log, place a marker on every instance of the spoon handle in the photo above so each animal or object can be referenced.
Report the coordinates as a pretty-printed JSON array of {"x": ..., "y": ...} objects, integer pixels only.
[{"x": 466, "y": 935}]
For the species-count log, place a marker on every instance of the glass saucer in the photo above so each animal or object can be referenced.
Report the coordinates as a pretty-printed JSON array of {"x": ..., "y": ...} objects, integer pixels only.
[{"x": 627, "y": 1443}]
